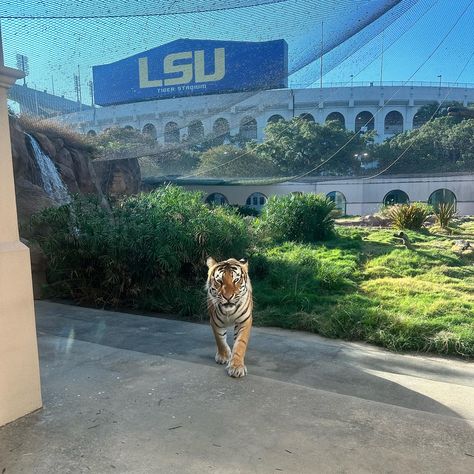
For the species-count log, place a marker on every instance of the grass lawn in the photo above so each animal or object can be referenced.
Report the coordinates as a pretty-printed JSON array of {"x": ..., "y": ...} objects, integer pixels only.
[{"x": 364, "y": 285}]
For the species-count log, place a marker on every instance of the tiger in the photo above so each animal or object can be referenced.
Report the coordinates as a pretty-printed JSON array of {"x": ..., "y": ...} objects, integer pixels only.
[{"x": 230, "y": 303}]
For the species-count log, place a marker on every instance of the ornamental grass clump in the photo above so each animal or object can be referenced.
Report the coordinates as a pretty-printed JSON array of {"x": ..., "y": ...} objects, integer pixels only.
[
  {"x": 297, "y": 218},
  {"x": 409, "y": 216},
  {"x": 445, "y": 213}
]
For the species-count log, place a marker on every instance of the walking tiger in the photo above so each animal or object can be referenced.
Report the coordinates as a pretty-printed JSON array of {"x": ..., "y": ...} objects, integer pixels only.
[{"x": 229, "y": 301}]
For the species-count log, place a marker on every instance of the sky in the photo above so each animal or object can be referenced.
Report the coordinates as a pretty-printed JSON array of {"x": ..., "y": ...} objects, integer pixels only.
[{"x": 410, "y": 35}]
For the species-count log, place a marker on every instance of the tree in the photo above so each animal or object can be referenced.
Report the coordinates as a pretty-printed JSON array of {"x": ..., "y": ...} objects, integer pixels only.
[
  {"x": 442, "y": 145},
  {"x": 298, "y": 145},
  {"x": 230, "y": 161}
]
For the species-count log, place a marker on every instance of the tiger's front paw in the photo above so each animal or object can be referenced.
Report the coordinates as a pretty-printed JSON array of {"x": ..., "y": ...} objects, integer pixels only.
[
  {"x": 222, "y": 358},
  {"x": 236, "y": 370}
]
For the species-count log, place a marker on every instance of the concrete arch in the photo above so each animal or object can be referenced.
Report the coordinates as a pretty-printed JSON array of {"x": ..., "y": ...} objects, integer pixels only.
[
  {"x": 171, "y": 134},
  {"x": 307, "y": 116},
  {"x": 91, "y": 133},
  {"x": 275, "y": 118},
  {"x": 336, "y": 117},
  {"x": 248, "y": 128},
  {"x": 150, "y": 131},
  {"x": 393, "y": 122},
  {"x": 364, "y": 122},
  {"x": 195, "y": 131}
]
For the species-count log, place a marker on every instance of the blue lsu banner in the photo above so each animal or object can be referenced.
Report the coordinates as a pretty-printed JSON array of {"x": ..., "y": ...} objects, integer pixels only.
[{"x": 188, "y": 67}]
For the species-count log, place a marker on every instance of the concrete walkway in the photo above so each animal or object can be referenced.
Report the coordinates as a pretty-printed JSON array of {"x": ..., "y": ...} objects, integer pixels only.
[{"x": 133, "y": 394}]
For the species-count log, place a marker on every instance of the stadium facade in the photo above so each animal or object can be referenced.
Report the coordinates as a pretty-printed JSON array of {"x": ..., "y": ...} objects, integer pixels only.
[{"x": 387, "y": 108}]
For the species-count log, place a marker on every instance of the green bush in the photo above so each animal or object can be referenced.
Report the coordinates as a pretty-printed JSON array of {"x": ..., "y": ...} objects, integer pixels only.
[
  {"x": 145, "y": 249},
  {"x": 297, "y": 218},
  {"x": 409, "y": 216}
]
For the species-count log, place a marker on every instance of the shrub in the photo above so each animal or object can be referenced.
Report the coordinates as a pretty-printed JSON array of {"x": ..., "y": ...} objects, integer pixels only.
[
  {"x": 298, "y": 218},
  {"x": 409, "y": 216},
  {"x": 444, "y": 212},
  {"x": 147, "y": 248}
]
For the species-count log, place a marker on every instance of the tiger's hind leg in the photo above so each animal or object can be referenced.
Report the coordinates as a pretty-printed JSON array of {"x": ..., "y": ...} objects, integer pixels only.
[
  {"x": 223, "y": 353},
  {"x": 236, "y": 366}
]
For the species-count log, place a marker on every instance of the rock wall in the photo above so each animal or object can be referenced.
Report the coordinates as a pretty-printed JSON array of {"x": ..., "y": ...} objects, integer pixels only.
[{"x": 80, "y": 174}]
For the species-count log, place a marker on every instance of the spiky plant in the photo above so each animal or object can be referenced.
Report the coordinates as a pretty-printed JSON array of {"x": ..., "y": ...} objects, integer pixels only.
[
  {"x": 409, "y": 216},
  {"x": 445, "y": 212}
]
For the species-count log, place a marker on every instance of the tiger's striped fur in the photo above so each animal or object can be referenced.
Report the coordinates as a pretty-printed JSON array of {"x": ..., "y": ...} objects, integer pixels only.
[{"x": 229, "y": 301}]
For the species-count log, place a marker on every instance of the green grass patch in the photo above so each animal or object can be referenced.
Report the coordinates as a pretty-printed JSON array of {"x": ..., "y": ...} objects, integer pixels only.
[{"x": 364, "y": 285}]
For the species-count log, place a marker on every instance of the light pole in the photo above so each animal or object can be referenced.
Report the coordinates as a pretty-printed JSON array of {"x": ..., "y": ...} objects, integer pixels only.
[
  {"x": 352, "y": 80},
  {"x": 439, "y": 77}
]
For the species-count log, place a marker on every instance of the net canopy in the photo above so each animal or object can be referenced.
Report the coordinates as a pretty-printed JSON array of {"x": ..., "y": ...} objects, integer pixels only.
[{"x": 57, "y": 43}]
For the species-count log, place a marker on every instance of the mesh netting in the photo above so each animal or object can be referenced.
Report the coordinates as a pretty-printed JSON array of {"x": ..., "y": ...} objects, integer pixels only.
[{"x": 58, "y": 43}]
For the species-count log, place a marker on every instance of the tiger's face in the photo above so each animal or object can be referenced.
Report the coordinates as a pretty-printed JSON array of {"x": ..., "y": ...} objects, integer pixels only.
[{"x": 228, "y": 283}]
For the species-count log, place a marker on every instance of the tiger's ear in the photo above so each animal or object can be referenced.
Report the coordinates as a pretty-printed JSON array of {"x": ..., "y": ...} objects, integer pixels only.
[
  {"x": 210, "y": 262},
  {"x": 244, "y": 263}
]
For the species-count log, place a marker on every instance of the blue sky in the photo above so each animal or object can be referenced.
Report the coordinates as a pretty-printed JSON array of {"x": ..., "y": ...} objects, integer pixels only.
[{"x": 57, "y": 47}]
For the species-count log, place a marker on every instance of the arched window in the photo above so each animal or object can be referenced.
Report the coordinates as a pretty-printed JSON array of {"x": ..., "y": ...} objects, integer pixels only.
[
  {"x": 397, "y": 196},
  {"x": 256, "y": 201},
  {"x": 307, "y": 116},
  {"x": 217, "y": 199},
  {"x": 171, "y": 132},
  {"x": 150, "y": 131},
  {"x": 128, "y": 127},
  {"x": 364, "y": 122},
  {"x": 195, "y": 131},
  {"x": 442, "y": 196},
  {"x": 91, "y": 133},
  {"x": 248, "y": 128},
  {"x": 393, "y": 122},
  {"x": 339, "y": 200},
  {"x": 275, "y": 119},
  {"x": 336, "y": 117}
]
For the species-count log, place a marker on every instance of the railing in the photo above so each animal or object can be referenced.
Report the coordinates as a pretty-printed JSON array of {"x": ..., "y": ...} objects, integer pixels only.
[{"x": 458, "y": 85}]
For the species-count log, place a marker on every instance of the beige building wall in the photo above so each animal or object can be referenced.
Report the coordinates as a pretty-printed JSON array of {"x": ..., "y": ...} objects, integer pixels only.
[{"x": 19, "y": 369}]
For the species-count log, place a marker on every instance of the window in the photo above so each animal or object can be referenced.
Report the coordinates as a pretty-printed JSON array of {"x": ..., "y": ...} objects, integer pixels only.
[
  {"x": 442, "y": 196},
  {"x": 339, "y": 200},
  {"x": 217, "y": 199},
  {"x": 275, "y": 119},
  {"x": 307, "y": 116},
  {"x": 91, "y": 133},
  {"x": 256, "y": 201},
  {"x": 396, "y": 196}
]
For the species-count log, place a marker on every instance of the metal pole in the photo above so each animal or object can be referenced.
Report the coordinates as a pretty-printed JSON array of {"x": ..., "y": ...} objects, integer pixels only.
[
  {"x": 322, "y": 53},
  {"x": 381, "y": 59}
]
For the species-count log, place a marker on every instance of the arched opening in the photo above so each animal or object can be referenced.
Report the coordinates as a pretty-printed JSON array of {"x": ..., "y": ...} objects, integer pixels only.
[
  {"x": 393, "y": 123},
  {"x": 364, "y": 122},
  {"x": 221, "y": 128},
  {"x": 306, "y": 116},
  {"x": 336, "y": 117},
  {"x": 150, "y": 131},
  {"x": 339, "y": 200},
  {"x": 171, "y": 133},
  {"x": 217, "y": 199},
  {"x": 275, "y": 118},
  {"x": 396, "y": 196},
  {"x": 128, "y": 127},
  {"x": 248, "y": 128},
  {"x": 91, "y": 133},
  {"x": 195, "y": 131},
  {"x": 256, "y": 201},
  {"x": 442, "y": 196}
]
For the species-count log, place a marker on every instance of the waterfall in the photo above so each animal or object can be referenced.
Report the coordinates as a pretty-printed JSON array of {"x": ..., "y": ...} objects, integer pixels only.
[{"x": 52, "y": 182}]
